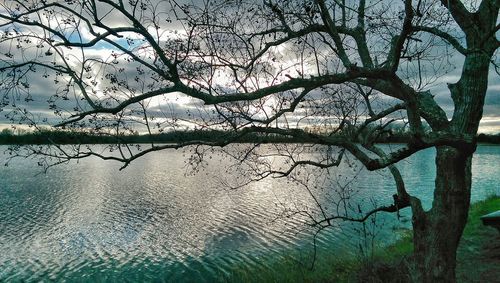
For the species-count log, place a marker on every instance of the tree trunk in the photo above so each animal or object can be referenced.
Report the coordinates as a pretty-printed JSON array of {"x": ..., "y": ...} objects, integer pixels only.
[{"x": 437, "y": 232}]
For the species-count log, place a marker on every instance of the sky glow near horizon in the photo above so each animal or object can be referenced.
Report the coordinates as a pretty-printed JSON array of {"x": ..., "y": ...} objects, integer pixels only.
[{"x": 181, "y": 103}]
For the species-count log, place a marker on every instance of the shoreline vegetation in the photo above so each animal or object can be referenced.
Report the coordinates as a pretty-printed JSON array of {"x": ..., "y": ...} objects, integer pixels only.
[
  {"x": 12, "y": 137},
  {"x": 478, "y": 259}
]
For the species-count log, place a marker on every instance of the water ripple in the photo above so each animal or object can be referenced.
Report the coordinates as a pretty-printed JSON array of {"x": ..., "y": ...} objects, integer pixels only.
[{"x": 151, "y": 222}]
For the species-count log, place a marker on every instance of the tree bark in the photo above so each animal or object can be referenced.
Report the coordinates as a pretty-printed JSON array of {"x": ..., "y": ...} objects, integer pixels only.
[{"x": 437, "y": 232}]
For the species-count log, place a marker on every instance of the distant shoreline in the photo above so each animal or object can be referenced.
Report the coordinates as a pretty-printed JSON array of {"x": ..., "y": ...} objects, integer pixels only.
[{"x": 67, "y": 137}]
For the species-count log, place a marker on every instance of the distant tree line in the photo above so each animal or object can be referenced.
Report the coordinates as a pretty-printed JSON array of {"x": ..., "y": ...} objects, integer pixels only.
[
  {"x": 9, "y": 136},
  {"x": 484, "y": 138}
]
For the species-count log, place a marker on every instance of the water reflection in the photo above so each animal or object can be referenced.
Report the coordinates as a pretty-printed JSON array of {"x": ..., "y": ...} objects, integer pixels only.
[{"x": 91, "y": 221}]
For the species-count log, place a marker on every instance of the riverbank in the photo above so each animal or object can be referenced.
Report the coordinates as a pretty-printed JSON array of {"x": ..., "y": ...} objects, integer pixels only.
[
  {"x": 479, "y": 250},
  {"x": 478, "y": 255},
  {"x": 478, "y": 259}
]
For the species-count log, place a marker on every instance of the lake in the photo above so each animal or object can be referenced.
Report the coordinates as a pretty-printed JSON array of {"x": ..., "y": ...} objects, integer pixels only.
[{"x": 156, "y": 221}]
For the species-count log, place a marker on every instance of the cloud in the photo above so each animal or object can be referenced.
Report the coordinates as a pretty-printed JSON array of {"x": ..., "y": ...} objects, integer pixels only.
[{"x": 42, "y": 90}]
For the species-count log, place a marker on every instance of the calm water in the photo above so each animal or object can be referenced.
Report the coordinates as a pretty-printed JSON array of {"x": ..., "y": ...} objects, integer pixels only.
[{"x": 88, "y": 221}]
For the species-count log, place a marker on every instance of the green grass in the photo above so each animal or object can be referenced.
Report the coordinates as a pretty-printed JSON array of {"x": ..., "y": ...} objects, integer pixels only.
[
  {"x": 387, "y": 264},
  {"x": 472, "y": 249},
  {"x": 474, "y": 226},
  {"x": 478, "y": 256},
  {"x": 328, "y": 268}
]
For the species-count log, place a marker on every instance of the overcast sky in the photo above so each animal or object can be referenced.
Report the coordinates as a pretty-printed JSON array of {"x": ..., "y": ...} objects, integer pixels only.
[{"x": 43, "y": 88}]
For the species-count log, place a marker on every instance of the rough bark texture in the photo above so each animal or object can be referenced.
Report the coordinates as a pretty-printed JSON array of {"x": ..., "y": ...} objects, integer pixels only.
[{"x": 437, "y": 232}]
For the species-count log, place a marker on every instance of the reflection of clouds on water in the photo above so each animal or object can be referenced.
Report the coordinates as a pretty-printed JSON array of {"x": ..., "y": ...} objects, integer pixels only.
[
  {"x": 228, "y": 240},
  {"x": 153, "y": 217}
]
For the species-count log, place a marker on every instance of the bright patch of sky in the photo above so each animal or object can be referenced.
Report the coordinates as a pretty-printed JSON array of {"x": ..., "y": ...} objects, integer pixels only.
[{"x": 288, "y": 61}]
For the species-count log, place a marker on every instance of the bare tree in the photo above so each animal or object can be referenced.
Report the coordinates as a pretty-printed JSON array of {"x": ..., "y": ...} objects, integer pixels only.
[{"x": 333, "y": 73}]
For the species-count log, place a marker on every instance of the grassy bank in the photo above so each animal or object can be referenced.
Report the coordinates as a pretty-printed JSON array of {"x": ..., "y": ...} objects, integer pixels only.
[
  {"x": 478, "y": 259},
  {"x": 478, "y": 255},
  {"x": 479, "y": 251}
]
